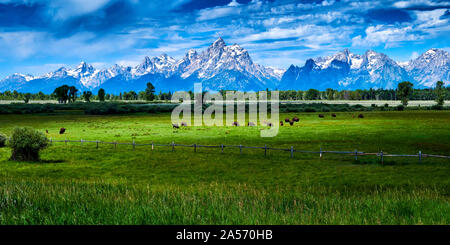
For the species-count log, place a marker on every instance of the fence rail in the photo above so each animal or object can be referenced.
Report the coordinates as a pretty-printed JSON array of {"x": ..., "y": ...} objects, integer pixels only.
[{"x": 321, "y": 152}]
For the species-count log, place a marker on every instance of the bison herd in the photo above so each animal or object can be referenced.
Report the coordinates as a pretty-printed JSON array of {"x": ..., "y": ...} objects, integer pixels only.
[{"x": 286, "y": 120}]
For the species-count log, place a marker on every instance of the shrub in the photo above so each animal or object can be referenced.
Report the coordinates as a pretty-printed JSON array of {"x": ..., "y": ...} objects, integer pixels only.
[
  {"x": 437, "y": 107},
  {"x": 2, "y": 140},
  {"x": 309, "y": 109},
  {"x": 26, "y": 144},
  {"x": 400, "y": 108}
]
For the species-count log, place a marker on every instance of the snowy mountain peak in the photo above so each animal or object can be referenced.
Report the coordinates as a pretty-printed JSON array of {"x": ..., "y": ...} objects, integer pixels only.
[
  {"x": 165, "y": 58},
  {"x": 432, "y": 51},
  {"x": 83, "y": 68},
  {"x": 25, "y": 77},
  {"x": 345, "y": 56},
  {"x": 219, "y": 43},
  {"x": 191, "y": 54},
  {"x": 430, "y": 67},
  {"x": 146, "y": 60}
]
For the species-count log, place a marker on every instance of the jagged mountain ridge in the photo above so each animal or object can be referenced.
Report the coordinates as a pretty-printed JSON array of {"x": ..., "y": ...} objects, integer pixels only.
[
  {"x": 431, "y": 66},
  {"x": 218, "y": 67},
  {"x": 346, "y": 70},
  {"x": 231, "y": 67}
]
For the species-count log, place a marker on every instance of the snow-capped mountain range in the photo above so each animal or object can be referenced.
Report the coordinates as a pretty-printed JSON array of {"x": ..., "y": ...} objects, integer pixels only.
[
  {"x": 231, "y": 67},
  {"x": 346, "y": 70}
]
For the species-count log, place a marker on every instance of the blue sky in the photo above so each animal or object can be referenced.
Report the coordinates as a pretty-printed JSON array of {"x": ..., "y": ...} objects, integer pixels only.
[{"x": 40, "y": 36}]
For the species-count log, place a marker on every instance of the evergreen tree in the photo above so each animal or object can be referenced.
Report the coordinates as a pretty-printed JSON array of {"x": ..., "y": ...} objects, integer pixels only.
[{"x": 404, "y": 90}]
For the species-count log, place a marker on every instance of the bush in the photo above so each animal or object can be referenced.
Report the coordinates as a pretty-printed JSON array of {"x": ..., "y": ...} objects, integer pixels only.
[
  {"x": 400, "y": 108},
  {"x": 437, "y": 107},
  {"x": 309, "y": 109},
  {"x": 2, "y": 140},
  {"x": 26, "y": 144}
]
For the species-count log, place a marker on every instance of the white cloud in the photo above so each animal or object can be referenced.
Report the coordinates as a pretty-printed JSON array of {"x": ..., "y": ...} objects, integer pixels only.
[
  {"x": 411, "y": 3},
  {"x": 426, "y": 19},
  {"x": 388, "y": 35},
  {"x": 25, "y": 44},
  {"x": 68, "y": 8},
  {"x": 232, "y": 8},
  {"x": 18, "y": 44}
]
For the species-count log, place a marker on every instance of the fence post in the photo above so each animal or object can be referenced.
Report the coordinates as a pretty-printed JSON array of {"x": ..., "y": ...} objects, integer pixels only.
[
  {"x": 152, "y": 145},
  {"x": 115, "y": 145},
  {"x": 51, "y": 141},
  {"x": 221, "y": 147},
  {"x": 97, "y": 144},
  {"x": 240, "y": 149},
  {"x": 320, "y": 152},
  {"x": 292, "y": 152},
  {"x": 65, "y": 141},
  {"x": 195, "y": 147},
  {"x": 420, "y": 156},
  {"x": 381, "y": 154},
  {"x": 173, "y": 146},
  {"x": 81, "y": 142},
  {"x": 265, "y": 150},
  {"x": 356, "y": 155},
  {"x": 134, "y": 145}
]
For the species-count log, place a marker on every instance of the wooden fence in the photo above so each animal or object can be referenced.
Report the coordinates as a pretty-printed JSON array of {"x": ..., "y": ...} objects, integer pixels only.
[{"x": 321, "y": 152}]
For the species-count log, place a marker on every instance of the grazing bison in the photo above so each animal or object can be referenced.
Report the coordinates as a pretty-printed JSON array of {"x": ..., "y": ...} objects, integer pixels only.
[
  {"x": 321, "y": 116},
  {"x": 184, "y": 124},
  {"x": 281, "y": 123},
  {"x": 62, "y": 130},
  {"x": 295, "y": 119},
  {"x": 250, "y": 124},
  {"x": 291, "y": 123},
  {"x": 333, "y": 115},
  {"x": 236, "y": 124},
  {"x": 46, "y": 131},
  {"x": 360, "y": 116},
  {"x": 286, "y": 119},
  {"x": 175, "y": 125}
]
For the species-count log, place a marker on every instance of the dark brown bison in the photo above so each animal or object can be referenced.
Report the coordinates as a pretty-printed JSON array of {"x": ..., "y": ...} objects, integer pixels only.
[
  {"x": 62, "y": 130},
  {"x": 287, "y": 119},
  {"x": 269, "y": 124},
  {"x": 295, "y": 119},
  {"x": 281, "y": 123},
  {"x": 360, "y": 116},
  {"x": 333, "y": 115},
  {"x": 184, "y": 124},
  {"x": 250, "y": 124},
  {"x": 291, "y": 123},
  {"x": 175, "y": 125},
  {"x": 321, "y": 115},
  {"x": 235, "y": 124},
  {"x": 46, "y": 131}
]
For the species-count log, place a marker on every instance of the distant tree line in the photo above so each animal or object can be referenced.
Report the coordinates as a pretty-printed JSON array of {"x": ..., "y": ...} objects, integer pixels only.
[
  {"x": 362, "y": 94},
  {"x": 69, "y": 94}
]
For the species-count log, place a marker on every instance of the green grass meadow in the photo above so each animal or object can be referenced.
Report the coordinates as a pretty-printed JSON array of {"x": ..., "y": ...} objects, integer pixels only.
[{"x": 80, "y": 184}]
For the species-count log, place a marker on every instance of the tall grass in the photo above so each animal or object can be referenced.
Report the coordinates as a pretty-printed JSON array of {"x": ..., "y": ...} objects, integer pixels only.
[{"x": 47, "y": 202}]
